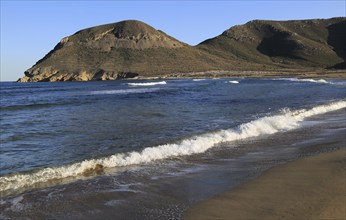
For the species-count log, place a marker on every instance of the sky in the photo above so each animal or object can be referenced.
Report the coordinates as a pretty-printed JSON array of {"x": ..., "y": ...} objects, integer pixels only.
[{"x": 30, "y": 29}]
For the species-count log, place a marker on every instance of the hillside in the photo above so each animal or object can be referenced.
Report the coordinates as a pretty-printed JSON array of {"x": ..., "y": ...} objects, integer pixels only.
[
  {"x": 132, "y": 48},
  {"x": 285, "y": 44},
  {"x": 118, "y": 50}
]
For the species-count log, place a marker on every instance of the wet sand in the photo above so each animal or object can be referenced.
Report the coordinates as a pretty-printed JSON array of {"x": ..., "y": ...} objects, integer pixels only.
[
  {"x": 309, "y": 188},
  {"x": 164, "y": 190}
]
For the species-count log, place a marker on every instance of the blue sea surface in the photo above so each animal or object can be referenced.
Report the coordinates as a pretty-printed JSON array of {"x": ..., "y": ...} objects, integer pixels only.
[
  {"x": 149, "y": 149},
  {"x": 52, "y": 124}
]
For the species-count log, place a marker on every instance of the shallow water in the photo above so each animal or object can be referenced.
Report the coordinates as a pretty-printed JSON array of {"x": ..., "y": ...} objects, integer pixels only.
[{"x": 164, "y": 146}]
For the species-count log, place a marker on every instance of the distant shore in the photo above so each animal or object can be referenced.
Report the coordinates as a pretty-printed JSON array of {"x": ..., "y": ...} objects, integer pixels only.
[
  {"x": 309, "y": 188},
  {"x": 282, "y": 73},
  {"x": 296, "y": 73}
]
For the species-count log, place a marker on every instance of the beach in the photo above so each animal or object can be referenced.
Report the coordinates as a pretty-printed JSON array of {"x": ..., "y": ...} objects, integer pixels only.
[
  {"x": 154, "y": 149},
  {"x": 309, "y": 188}
]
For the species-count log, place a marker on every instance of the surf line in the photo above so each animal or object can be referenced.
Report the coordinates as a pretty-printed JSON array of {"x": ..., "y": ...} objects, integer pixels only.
[
  {"x": 148, "y": 83},
  {"x": 283, "y": 121}
]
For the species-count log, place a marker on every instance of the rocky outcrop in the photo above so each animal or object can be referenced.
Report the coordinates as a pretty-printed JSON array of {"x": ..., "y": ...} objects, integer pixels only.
[
  {"x": 51, "y": 75},
  {"x": 131, "y": 48}
]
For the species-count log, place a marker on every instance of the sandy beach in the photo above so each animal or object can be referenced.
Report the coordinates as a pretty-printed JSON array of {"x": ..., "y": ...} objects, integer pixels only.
[{"x": 309, "y": 188}]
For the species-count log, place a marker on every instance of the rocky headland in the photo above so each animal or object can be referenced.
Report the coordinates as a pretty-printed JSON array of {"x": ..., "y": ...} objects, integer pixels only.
[{"x": 130, "y": 48}]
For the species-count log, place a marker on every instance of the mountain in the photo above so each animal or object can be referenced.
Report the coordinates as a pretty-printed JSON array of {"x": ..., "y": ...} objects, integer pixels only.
[
  {"x": 118, "y": 50},
  {"x": 132, "y": 48},
  {"x": 286, "y": 44}
]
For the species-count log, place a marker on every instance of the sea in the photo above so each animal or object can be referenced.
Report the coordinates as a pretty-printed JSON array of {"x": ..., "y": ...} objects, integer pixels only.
[{"x": 149, "y": 149}]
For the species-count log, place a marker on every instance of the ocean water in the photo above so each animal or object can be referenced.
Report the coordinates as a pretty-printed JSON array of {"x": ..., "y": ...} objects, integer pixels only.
[{"x": 86, "y": 148}]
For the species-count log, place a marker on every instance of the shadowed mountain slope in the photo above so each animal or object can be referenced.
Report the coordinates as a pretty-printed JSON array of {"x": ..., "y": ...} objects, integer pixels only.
[
  {"x": 298, "y": 43},
  {"x": 130, "y": 48}
]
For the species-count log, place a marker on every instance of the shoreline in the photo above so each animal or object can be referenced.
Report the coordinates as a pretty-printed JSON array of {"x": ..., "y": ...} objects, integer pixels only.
[
  {"x": 308, "y": 188},
  {"x": 284, "y": 73},
  {"x": 158, "y": 193}
]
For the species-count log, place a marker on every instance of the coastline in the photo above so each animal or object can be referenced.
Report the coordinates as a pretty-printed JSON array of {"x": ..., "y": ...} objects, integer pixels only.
[
  {"x": 284, "y": 73},
  {"x": 166, "y": 187},
  {"x": 309, "y": 188}
]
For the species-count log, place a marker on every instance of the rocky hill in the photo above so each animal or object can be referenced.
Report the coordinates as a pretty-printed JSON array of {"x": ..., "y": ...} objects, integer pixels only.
[
  {"x": 299, "y": 43},
  {"x": 132, "y": 48}
]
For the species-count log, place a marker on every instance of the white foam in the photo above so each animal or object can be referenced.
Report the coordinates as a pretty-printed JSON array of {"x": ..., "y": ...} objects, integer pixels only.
[
  {"x": 321, "y": 81},
  {"x": 196, "y": 80},
  {"x": 306, "y": 80},
  {"x": 285, "y": 120},
  {"x": 233, "y": 81},
  {"x": 147, "y": 83},
  {"x": 313, "y": 80},
  {"x": 123, "y": 91},
  {"x": 338, "y": 83}
]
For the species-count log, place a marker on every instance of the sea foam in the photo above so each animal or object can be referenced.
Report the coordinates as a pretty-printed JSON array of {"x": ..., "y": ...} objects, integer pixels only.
[
  {"x": 233, "y": 81},
  {"x": 147, "y": 83},
  {"x": 283, "y": 121},
  {"x": 323, "y": 81},
  {"x": 319, "y": 81},
  {"x": 123, "y": 91}
]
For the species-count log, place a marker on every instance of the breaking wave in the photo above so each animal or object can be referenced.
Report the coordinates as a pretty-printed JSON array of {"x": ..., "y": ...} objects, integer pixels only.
[
  {"x": 123, "y": 91},
  {"x": 283, "y": 121},
  {"x": 307, "y": 80},
  {"x": 320, "y": 81},
  {"x": 233, "y": 81},
  {"x": 147, "y": 83}
]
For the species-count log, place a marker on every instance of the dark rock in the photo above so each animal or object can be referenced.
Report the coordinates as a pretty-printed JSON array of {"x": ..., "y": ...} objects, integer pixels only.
[{"x": 124, "y": 75}]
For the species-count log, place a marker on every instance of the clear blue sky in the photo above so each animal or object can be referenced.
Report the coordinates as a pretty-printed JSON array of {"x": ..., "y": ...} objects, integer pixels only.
[{"x": 30, "y": 29}]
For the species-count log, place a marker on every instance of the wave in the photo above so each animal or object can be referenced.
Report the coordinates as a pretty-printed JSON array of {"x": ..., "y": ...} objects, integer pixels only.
[
  {"x": 323, "y": 81},
  {"x": 123, "y": 91},
  {"x": 147, "y": 83},
  {"x": 233, "y": 81},
  {"x": 312, "y": 80},
  {"x": 338, "y": 83},
  {"x": 30, "y": 106},
  {"x": 196, "y": 80},
  {"x": 285, "y": 120},
  {"x": 320, "y": 81}
]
